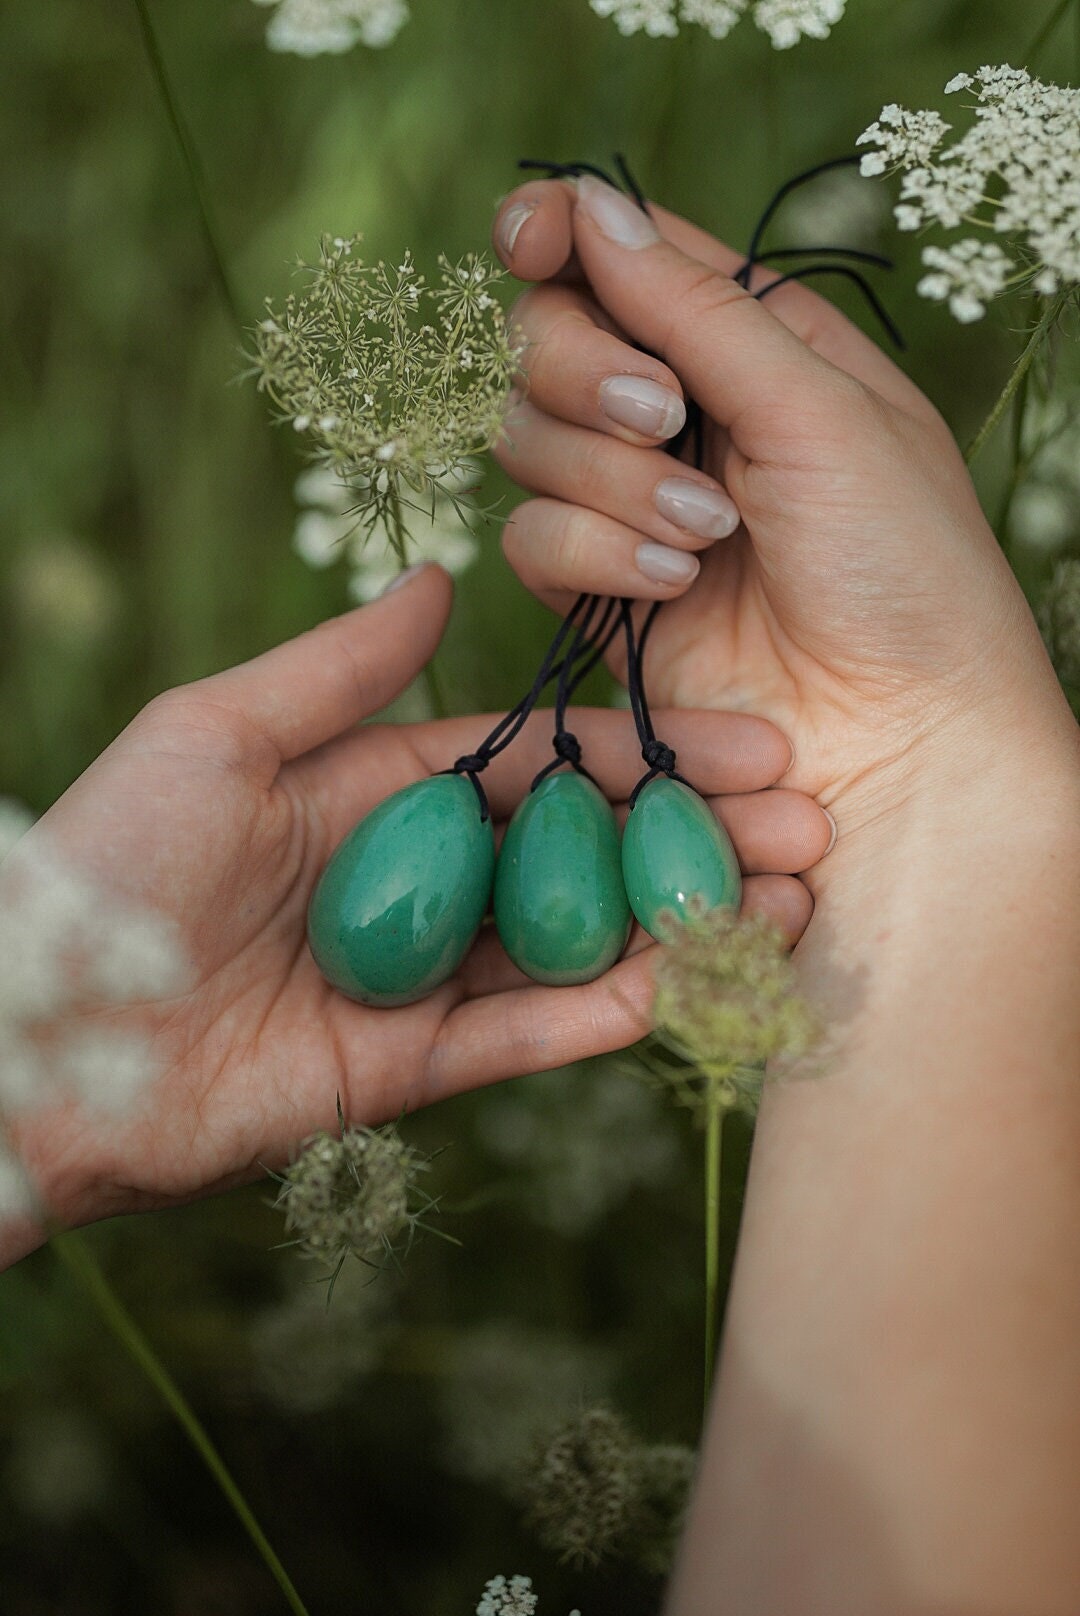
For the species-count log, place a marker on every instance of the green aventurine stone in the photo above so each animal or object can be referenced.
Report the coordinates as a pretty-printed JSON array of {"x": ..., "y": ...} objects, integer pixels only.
[
  {"x": 403, "y": 896},
  {"x": 672, "y": 848},
  {"x": 560, "y": 905}
]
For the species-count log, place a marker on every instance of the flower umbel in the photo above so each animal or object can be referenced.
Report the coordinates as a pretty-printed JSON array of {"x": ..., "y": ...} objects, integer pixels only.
[
  {"x": 727, "y": 1001},
  {"x": 595, "y": 1493},
  {"x": 1015, "y": 172},
  {"x": 68, "y": 953},
  {"x": 353, "y": 1195},
  {"x": 391, "y": 382},
  {"x": 327, "y": 531},
  {"x": 785, "y": 21},
  {"x": 315, "y": 27}
]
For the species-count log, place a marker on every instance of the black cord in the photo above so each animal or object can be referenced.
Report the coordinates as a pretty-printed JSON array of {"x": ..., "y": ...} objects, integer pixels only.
[
  {"x": 597, "y": 639},
  {"x": 590, "y": 641},
  {"x": 554, "y": 665}
]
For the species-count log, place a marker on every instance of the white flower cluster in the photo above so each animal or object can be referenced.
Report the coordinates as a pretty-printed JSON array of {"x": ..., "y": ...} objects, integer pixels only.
[
  {"x": 513, "y": 1598},
  {"x": 317, "y": 27},
  {"x": 393, "y": 382},
  {"x": 507, "y": 1386},
  {"x": 327, "y": 529},
  {"x": 785, "y": 21},
  {"x": 1016, "y": 171},
  {"x": 502, "y": 1598},
  {"x": 579, "y": 1162},
  {"x": 66, "y": 953}
]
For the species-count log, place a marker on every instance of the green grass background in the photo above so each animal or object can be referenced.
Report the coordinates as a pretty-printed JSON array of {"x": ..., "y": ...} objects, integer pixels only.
[{"x": 145, "y": 516}]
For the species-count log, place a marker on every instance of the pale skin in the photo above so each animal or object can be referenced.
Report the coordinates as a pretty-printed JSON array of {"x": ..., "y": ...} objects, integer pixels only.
[
  {"x": 895, "y": 1429},
  {"x": 220, "y": 804}
]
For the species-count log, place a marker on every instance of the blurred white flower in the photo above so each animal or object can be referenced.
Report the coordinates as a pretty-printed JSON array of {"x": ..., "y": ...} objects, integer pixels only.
[
  {"x": 317, "y": 27},
  {"x": 579, "y": 1142},
  {"x": 785, "y": 21},
  {"x": 62, "y": 590},
  {"x": 509, "y": 1385},
  {"x": 788, "y": 21},
  {"x": 327, "y": 530},
  {"x": 966, "y": 275},
  {"x": 836, "y": 207},
  {"x": 65, "y": 950},
  {"x": 1015, "y": 172},
  {"x": 59, "y": 1468},
  {"x": 503, "y": 1598},
  {"x": 1045, "y": 515},
  {"x": 307, "y": 1356}
]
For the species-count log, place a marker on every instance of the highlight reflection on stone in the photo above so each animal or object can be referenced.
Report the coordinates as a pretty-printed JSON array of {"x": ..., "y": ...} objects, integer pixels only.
[
  {"x": 397, "y": 907},
  {"x": 560, "y": 904},
  {"x": 673, "y": 847}
]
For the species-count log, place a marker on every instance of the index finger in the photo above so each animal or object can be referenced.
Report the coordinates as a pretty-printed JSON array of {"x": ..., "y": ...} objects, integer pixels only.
[{"x": 534, "y": 237}]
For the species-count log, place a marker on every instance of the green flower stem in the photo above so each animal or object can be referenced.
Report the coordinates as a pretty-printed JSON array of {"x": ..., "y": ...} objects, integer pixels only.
[
  {"x": 399, "y": 537},
  {"x": 1034, "y": 344},
  {"x": 77, "y": 1258},
  {"x": 713, "y": 1151},
  {"x": 191, "y": 161}
]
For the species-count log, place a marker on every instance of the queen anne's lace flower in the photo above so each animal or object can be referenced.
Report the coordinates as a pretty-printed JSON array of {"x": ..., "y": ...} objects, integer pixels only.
[
  {"x": 966, "y": 275},
  {"x": 1016, "y": 172},
  {"x": 65, "y": 950},
  {"x": 785, "y": 21},
  {"x": 503, "y": 1598},
  {"x": 329, "y": 528},
  {"x": 393, "y": 384},
  {"x": 317, "y": 27}
]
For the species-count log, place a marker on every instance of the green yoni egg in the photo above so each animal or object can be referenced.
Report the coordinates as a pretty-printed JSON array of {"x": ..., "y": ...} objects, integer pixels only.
[
  {"x": 560, "y": 904},
  {"x": 402, "y": 898},
  {"x": 674, "y": 847}
]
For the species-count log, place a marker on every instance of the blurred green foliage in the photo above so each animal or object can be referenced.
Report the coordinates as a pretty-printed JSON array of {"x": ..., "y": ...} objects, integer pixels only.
[{"x": 145, "y": 515}]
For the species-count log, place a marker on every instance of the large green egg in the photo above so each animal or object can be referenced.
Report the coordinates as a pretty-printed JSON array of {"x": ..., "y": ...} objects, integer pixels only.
[
  {"x": 402, "y": 898},
  {"x": 560, "y": 904},
  {"x": 673, "y": 847}
]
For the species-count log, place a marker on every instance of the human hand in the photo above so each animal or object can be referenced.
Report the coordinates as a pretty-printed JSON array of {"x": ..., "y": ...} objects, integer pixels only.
[
  {"x": 219, "y": 806},
  {"x": 861, "y": 603}
]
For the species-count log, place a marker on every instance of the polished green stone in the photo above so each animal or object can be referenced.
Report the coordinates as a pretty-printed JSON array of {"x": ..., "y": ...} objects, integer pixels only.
[
  {"x": 673, "y": 847},
  {"x": 400, "y": 901},
  {"x": 560, "y": 905}
]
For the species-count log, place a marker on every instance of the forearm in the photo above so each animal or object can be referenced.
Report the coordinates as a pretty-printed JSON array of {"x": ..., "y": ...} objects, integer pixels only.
[{"x": 896, "y": 1429}]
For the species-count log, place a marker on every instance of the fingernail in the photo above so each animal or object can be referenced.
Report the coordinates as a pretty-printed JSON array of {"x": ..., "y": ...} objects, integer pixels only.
[
  {"x": 614, "y": 215},
  {"x": 791, "y": 763},
  {"x": 644, "y": 406},
  {"x": 832, "y": 838},
  {"x": 662, "y": 565},
  {"x": 705, "y": 511},
  {"x": 509, "y": 227},
  {"x": 404, "y": 577}
]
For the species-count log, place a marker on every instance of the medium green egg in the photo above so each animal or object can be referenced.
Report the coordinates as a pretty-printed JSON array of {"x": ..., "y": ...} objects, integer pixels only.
[
  {"x": 560, "y": 904},
  {"x": 673, "y": 847},
  {"x": 397, "y": 907}
]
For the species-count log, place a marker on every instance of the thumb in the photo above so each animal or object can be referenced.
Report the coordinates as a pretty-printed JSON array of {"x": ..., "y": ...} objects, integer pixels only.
[
  {"x": 312, "y": 688},
  {"x": 737, "y": 360}
]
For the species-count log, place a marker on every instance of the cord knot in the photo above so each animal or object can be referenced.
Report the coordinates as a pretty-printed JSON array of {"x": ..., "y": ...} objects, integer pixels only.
[
  {"x": 471, "y": 763},
  {"x": 567, "y": 747},
  {"x": 659, "y": 757}
]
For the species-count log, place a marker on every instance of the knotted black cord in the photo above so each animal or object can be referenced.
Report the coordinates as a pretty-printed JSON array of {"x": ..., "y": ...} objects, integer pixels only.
[
  {"x": 597, "y": 639},
  {"x": 513, "y": 722},
  {"x": 658, "y": 756}
]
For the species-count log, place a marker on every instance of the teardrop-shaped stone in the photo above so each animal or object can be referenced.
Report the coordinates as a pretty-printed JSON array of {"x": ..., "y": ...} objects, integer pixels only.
[
  {"x": 560, "y": 904},
  {"x": 673, "y": 847},
  {"x": 402, "y": 898}
]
